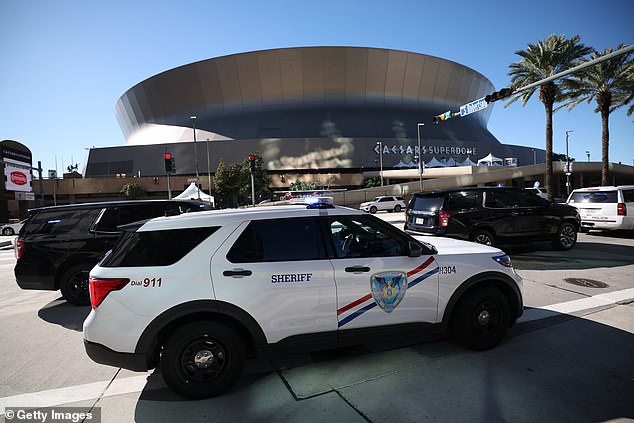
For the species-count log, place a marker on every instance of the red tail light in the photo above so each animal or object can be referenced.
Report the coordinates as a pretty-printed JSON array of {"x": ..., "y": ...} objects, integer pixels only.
[
  {"x": 444, "y": 218},
  {"x": 621, "y": 210},
  {"x": 19, "y": 247},
  {"x": 100, "y": 288}
]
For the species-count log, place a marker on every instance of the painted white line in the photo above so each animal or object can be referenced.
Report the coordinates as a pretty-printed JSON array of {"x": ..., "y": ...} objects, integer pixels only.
[
  {"x": 574, "y": 306},
  {"x": 70, "y": 394}
]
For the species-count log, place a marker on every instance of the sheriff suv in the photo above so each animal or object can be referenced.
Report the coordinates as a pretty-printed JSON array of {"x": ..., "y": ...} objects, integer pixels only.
[
  {"x": 57, "y": 246},
  {"x": 196, "y": 294}
]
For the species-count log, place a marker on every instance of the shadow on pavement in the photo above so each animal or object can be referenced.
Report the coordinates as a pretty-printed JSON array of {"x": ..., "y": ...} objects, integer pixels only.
[
  {"x": 560, "y": 369},
  {"x": 62, "y": 313},
  {"x": 584, "y": 255}
]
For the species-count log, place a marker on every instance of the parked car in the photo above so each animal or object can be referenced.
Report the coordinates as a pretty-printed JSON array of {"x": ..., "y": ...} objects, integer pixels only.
[
  {"x": 58, "y": 245},
  {"x": 493, "y": 215},
  {"x": 604, "y": 208},
  {"x": 196, "y": 295},
  {"x": 387, "y": 203},
  {"x": 9, "y": 229}
]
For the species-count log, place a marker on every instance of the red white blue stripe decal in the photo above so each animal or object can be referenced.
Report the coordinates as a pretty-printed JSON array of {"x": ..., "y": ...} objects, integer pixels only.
[{"x": 368, "y": 306}]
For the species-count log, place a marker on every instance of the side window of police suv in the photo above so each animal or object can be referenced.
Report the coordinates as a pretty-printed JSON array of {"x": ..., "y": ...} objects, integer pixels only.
[
  {"x": 275, "y": 240},
  {"x": 362, "y": 237}
]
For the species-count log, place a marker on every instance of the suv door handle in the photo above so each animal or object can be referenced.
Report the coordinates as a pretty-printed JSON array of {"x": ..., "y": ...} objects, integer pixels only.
[
  {"x": 237, "y": 273},
  {"x": 357, "y": 269}
]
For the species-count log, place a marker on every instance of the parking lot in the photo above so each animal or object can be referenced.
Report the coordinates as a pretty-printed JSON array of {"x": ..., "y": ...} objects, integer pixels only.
[{"x": 569, "y": 358}]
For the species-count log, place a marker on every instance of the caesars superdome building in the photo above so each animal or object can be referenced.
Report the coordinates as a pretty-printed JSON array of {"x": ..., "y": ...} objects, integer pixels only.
[{"x": 305, "y": 109}]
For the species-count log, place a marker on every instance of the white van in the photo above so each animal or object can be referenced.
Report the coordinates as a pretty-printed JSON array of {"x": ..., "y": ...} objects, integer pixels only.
[{"x": 604, "y": 207}]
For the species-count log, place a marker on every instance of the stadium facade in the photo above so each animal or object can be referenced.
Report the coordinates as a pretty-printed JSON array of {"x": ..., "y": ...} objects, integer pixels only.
[{"x": 311, "y": 109}]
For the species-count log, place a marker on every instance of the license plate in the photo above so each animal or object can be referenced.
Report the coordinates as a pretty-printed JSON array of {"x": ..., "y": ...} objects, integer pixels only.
[{"x": 420, "y": 221}]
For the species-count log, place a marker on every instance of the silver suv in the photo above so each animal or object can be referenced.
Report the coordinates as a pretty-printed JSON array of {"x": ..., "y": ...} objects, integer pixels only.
[{"x": 388, "y": 203}]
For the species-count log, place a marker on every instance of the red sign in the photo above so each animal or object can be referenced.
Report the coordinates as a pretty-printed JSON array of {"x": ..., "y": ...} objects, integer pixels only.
[{"x": 18, "y": 178}]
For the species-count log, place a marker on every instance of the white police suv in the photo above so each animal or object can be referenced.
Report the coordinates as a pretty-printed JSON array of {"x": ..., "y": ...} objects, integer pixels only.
[{"x": 198, "y": 293}]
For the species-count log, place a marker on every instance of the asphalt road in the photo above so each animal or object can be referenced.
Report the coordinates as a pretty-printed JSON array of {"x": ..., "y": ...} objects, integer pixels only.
[{"x": 568, "y": 359}]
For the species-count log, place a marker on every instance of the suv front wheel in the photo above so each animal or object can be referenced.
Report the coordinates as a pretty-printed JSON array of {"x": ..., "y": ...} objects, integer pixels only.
[
  {"x": 481, "y": 319},
  {"x": 202, "y": 359},
  {"x": 74, "y": 285}
]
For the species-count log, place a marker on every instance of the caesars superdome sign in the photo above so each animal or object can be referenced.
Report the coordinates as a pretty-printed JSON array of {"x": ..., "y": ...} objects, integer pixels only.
[{"x": 17, "y": 163}]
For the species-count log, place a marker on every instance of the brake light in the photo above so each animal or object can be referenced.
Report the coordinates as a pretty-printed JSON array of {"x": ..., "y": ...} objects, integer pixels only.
[
  {"x": 444, "y": 218},
  {"x": 100, "y": 288},
  {"x": 621, "y": 210},
  {"x": 19, "y": 247}
]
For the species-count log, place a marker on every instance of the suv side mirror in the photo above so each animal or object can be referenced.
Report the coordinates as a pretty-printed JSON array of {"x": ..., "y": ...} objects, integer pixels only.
[{"x": 414, "y": 249}]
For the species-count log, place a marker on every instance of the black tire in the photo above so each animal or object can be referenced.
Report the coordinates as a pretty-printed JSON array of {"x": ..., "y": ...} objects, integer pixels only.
[
  {"x": 74, "y": 285},
  {"x": 482, "y": 236},
  {"x": 8, "y": 231},
  {"x": 481, "y": 319},
  {"x": 373, "y": 209},
  {"x": 566, "y": 237},
  {"x": 397, "y": 208},
  {"x": 202, "y": 359}
]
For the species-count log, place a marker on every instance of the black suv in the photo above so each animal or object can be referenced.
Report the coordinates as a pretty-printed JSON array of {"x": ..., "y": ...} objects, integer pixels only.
[
  {"x": 58, "y": 246},
  {"x": 493, "y": 215}
]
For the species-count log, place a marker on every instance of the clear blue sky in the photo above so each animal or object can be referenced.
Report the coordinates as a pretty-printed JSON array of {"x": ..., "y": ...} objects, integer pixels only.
[{"x": 65, "y": 63}]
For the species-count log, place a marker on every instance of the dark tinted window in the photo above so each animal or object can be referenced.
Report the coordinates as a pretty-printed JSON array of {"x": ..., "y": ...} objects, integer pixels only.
[
  {"x": 124, "y": 214},
  {"x": 427, "y": 203},
  {"x": 360, "y": 237},
  {"x": 385, "y": 199},
  {"x": 628, "y": 195},
  {"x": 464, "y": 200},
  {"x": 155, "y": 248},
  {"x": 594, "y": 197},
  {"x": 528, "y": 199},
  {"x": 277, "y": 240},
  {"x": 501, "y": 199},
  {"x": 60, "y": 221}
]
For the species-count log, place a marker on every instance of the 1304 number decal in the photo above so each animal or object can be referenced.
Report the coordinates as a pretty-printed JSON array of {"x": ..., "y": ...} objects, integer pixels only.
[
  {"x": 147, "y": 283},
  {"x": 446, "y": 270}
]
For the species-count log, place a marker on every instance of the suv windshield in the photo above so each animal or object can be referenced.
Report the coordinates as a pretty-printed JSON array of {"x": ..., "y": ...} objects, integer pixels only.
[
  {"x": 593, "y": 197},
  {"x": 427, "y": 203}
]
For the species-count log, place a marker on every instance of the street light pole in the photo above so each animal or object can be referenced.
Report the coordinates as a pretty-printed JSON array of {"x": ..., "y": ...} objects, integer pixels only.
[
  {"x": 568, "y": 163},
  {"x": 193, "y": 118},
  {"x": 380, "y": 144},
  {"x": 588, "y": 154},
  {"x": 420, "y": 159}
]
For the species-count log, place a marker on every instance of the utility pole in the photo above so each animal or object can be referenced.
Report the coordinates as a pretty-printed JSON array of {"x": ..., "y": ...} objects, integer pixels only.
[
  {"x": 380, "y": 144},
  {"x": 568, "y": 164},
  {"x": 420, "y": 159}
]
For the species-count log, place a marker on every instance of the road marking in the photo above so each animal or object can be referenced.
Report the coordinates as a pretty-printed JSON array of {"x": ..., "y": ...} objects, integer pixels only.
[
  {"x": 574, "y": 306},
  {"x": 70, "y": 394},
  {"x": 129, "y": 385}
]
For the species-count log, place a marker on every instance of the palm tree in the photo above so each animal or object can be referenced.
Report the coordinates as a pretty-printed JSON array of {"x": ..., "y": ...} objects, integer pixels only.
[
  {"x": 546, "y": 58},
  {"x": 611, "y": 84}
]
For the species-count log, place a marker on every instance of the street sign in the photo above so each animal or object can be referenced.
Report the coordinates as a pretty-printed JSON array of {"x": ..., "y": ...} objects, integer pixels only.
[{"x": 472, "y": 107}]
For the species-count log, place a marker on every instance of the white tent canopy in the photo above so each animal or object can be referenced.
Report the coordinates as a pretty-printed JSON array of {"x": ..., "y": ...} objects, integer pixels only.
[
  {"x": 191, "y": 193},
  {"x": 490, "y": 160},
  {"x": 434, "y": 163},
  {"x": 467, "y": 162}
]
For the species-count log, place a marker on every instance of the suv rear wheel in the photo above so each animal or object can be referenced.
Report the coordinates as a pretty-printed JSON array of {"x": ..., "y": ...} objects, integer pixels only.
[
  {"x": 8, "y": 231},
  {"x": 74, "y": 285},
  {"x": 566, "y": 237},
  {"x": 481, "y": 319},
  {"x": 202, "y": 359},
  {"x": 482, "y": 236}
]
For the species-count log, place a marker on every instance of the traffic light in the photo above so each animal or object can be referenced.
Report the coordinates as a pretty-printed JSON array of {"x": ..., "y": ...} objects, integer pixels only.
[
  {"x": 498, "y": 95},
  {"x": 169, "y": 162},
  {"x": 442, "y": 116},
  {"x": 251, "y": 163}
]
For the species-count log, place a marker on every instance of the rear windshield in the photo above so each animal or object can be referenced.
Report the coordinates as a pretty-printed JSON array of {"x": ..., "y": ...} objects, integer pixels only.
[
  {"x": 594, "y": 197},
  {"x": 155, "y": 248},
  {"x": 60, "y": 221},
  {"x": 427, "y": 203}
]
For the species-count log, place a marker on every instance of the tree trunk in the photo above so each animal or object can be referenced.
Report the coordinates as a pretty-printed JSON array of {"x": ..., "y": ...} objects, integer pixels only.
[
  {"x": 605, "y": 141},
  {"x": 548, "y": 178}
]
